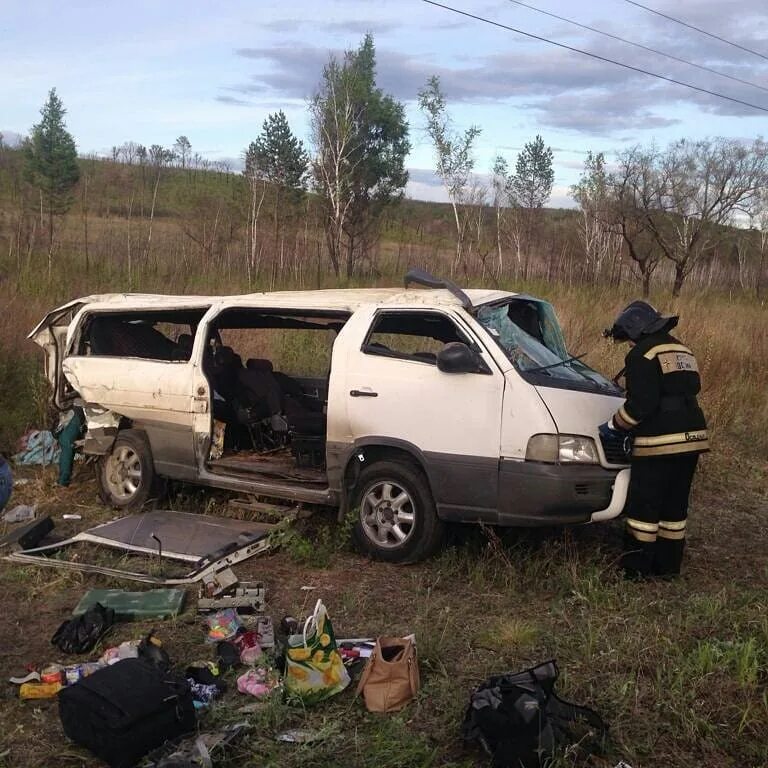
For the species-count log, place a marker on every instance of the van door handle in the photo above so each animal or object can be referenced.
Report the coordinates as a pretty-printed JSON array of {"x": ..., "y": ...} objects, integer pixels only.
[{"x": 363, "y": 393}]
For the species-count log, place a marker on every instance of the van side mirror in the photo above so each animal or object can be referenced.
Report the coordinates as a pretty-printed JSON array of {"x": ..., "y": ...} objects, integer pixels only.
[{"x": 457, "y": 357}]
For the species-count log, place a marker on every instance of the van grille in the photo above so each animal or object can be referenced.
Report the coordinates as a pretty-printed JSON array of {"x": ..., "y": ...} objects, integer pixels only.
[{"x": 613, "y": 448}]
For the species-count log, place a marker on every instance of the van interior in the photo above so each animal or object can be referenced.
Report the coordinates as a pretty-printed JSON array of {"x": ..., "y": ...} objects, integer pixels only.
[{"x": 268, "y": 373}]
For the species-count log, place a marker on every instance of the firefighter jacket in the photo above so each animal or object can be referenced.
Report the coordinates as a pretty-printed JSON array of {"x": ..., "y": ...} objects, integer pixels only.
[{"x": 661, "y": 410}]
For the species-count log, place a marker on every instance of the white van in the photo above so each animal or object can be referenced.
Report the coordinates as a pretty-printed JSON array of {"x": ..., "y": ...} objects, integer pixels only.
[{"x": 410, "y": 407}]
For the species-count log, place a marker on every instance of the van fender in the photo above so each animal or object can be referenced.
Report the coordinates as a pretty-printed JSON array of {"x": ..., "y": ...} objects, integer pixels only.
[
  {"x": 102, "y": 426},
  {"x": 345, "y": 460}
]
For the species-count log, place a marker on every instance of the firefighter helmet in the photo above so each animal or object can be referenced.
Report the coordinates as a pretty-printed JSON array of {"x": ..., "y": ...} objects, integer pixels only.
[{"x": 639, "y": 319}]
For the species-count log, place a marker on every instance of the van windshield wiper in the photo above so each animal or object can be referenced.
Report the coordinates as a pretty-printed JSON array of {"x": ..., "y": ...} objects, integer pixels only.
[{"x": 555, "y": 365}]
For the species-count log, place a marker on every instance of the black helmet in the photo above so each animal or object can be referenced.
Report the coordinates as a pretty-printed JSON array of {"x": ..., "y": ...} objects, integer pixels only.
[{"x": 639, "y": 319}]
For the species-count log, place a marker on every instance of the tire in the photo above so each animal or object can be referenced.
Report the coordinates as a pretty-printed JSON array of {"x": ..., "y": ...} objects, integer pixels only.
[
  {"x": 405, "y": 535},
  {"x": 126, "y": 475}
]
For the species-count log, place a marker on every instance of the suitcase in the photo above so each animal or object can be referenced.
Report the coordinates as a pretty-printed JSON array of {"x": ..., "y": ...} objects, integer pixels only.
[{"x": 123, "y": 711}]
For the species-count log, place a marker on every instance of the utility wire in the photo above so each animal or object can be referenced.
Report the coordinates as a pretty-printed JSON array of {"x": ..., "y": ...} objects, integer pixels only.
[
  {"x": 697, "y": 29},
  {"x": 594, "y": 55},
  {"x": 639, "y": 45}
]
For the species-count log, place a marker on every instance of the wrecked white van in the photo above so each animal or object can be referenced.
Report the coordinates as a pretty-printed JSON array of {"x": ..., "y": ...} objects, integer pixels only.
[{"x": 411, "y": 407}]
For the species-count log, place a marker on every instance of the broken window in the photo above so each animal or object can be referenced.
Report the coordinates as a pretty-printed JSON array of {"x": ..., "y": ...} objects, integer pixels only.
[
  {"x": 416, "y": 336},
  {"x": 152, "y": 335}
]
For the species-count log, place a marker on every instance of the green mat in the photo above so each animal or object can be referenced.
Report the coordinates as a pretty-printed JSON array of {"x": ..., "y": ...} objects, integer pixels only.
[{"x": 135, "y": 606}]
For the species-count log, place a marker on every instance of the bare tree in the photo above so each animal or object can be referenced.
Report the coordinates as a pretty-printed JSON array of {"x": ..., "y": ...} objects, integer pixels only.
[
  {"x": 455, "y": 162},
  {"x": 631, "y": 190},
  {"x": 700, "y": 188},
  {"x": 159, "y": 157},
  {"x": 759, "y": 222}
]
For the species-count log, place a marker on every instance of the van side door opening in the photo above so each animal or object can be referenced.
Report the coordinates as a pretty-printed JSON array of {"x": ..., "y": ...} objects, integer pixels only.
[{"x": 268, "y": 372}]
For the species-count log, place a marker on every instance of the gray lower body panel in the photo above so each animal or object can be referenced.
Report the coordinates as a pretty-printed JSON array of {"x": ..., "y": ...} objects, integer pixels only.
[{"x": 533, "y": 494}]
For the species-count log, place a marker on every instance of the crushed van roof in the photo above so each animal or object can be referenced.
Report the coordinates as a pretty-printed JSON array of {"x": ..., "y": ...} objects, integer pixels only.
[{"x": 349, "y": 299}]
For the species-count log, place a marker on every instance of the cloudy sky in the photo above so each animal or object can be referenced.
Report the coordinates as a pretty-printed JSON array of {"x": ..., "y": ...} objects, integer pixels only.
[{"x": 149, "y": 71}]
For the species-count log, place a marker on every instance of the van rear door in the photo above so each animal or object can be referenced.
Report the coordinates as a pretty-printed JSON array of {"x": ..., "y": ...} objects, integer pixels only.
[{"x": 51, "y": 335}]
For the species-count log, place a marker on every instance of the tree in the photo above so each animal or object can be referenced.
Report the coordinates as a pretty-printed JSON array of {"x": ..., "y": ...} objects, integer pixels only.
[
  {"x": 182, "y": 150},
  {"x": 51, "y": 162},
  {"x": 277, "y": 155},
  {"x": 531, "y": 187},
  {"x": 699, "y": 188},
  {"x": 631, "y": 191},
  {"x": 600, "y": 238},
  {"x": 455, "y": 162},
  {"x": 360, "y": 137},
  {"x": 759, "y": 221},
  {"x": 277, "y": 158},
  {"x": 158, "y": 157}
]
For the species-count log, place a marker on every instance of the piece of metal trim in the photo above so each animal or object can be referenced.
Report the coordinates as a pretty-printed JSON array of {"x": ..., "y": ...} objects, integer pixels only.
[{"x": 205, "y": 568}]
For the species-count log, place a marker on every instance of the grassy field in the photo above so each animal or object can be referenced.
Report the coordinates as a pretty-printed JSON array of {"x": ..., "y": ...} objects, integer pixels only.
[{"x": 678, "y": 669}]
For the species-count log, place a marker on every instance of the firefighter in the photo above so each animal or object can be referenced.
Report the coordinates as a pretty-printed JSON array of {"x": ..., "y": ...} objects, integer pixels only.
[{"x": 662, "y": 417}]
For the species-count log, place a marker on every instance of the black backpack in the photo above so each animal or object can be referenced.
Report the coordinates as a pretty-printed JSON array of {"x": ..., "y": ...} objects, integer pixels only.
[
  {"x": 123, "y": 711},
  {"x": 521, "y": 722}
]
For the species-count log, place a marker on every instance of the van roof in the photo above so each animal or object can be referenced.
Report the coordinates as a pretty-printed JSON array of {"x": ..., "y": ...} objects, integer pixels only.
[{"x": 349, "y": 299}]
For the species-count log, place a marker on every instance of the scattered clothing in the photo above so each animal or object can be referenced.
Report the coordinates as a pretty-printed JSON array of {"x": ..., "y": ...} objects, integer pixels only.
[{"x": 37, "y": 448}]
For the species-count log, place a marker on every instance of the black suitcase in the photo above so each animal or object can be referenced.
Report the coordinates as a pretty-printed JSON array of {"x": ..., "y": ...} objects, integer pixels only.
[{"x": 123, "y": 711}]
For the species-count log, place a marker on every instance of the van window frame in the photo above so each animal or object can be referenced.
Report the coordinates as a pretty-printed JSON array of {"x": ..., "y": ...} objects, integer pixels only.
[
  {"x": 393, "y": 355},
  {"x": 86, "y": 314}
]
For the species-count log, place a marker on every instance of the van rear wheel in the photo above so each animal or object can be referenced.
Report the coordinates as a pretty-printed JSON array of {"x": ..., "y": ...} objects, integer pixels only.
[
  {"x": 395, "y": 515},
  {"x": 126, "y": 474}
]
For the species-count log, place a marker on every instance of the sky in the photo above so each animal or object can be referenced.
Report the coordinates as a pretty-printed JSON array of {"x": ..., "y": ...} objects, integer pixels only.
[{"x": 149, "y": 71}]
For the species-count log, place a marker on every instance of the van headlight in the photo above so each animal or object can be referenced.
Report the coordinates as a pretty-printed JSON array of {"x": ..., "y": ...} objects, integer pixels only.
[{"x": 562, "y": 449}]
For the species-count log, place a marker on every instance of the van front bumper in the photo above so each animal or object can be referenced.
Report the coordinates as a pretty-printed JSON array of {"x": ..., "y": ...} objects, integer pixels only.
[{"x": 533, "y": 494}]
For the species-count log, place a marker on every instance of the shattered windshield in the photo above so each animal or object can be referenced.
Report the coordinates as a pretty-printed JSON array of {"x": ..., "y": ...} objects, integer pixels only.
[{"x": 530, "y": 335}]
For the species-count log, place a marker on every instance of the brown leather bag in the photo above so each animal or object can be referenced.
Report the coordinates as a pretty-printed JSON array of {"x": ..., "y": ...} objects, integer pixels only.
[{"x": 390, "y": 679}]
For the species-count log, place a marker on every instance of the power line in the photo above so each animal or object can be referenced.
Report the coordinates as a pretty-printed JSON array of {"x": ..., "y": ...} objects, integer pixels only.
[
  {"x": 639, "y": 45},
  {"x": 698, "y": 29},
  {"x": 594, "y": 55}
]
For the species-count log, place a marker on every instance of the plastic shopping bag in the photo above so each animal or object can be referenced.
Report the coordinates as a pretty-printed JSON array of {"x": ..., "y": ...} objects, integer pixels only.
[{"x": 314, "y": 669}]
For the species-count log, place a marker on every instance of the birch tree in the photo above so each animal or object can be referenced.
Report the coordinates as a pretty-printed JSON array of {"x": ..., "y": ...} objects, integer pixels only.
[
  {"x": 455, "y": 161},
  {"x": 360, "y": 138}
]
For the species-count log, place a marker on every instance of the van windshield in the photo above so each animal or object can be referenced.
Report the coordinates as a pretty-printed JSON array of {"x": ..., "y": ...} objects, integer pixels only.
[{"x": 529, "y": 333}]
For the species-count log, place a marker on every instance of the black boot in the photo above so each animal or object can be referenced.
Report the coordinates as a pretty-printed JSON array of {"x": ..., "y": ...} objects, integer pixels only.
[
  {"x": 638, "y": 559},
  {"x": 669, "y": 557}
]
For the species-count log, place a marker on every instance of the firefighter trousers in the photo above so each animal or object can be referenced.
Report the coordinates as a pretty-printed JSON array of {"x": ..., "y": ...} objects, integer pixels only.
[{"x": 656, "y": 514}]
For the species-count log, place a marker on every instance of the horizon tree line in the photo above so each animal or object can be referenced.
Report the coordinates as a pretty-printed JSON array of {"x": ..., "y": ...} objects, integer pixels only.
[{"x": 646, "y": 208}]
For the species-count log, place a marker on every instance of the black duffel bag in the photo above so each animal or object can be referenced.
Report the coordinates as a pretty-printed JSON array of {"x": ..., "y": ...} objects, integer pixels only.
[
  {"x": 522, "y": 723},
  {"x": 123, "y": 711}
]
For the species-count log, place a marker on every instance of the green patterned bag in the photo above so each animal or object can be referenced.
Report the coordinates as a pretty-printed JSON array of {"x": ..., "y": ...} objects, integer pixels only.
[{"x": 314, "y": 669}]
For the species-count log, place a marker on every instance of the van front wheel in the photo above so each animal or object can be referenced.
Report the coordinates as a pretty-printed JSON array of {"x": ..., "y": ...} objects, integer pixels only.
[
  {"x": 126, "y": 474},
  {"x": 395, "y": 515}
]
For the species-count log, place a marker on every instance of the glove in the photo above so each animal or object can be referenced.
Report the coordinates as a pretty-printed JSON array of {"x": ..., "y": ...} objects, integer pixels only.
[{"x": 609, "y": 431}]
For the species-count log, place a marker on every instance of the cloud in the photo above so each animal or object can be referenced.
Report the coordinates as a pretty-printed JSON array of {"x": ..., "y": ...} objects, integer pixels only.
[
  {"x": 356, "y": 26},
  {"x": 564, "y": 95},
  {"x": 564, "y": 89},
  {"x": 224, "y": 99}
]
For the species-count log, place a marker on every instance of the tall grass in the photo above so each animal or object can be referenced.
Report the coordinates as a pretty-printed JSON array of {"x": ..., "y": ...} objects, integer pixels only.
[{"x": 728, "y": 334}]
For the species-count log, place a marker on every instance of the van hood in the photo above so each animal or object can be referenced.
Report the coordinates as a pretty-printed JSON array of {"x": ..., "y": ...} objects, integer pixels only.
[{"x": 579, "y": 413}]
